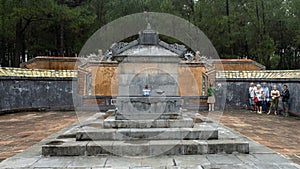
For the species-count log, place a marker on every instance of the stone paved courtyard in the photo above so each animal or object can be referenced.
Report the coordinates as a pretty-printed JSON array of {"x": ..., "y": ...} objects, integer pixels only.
[
  {"x": 22, "y": 130},
  {"x": 279, "y": 133}
]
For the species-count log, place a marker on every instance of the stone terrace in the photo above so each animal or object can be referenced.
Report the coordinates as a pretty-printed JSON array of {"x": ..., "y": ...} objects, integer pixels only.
[{"x": 279, "y": 133}]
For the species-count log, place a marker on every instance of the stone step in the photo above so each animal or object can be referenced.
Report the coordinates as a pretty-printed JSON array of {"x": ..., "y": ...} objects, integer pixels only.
[
  {"x": 147, "y": 134},
  {"x": 144, "y": 147},
  {"x": 147, "y": 116},
  {"x": 182, "y": 122}
]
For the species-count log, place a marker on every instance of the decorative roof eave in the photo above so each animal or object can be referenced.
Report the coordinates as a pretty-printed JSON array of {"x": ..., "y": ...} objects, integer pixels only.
[
  {"x": 261, "y": 74},
  {"x": 37, "y": 73},
  {"x": 118, "y": 48},
  {"x": 180, "y": 50},
  {"x": 88, "y": 64},
  {"x": 147, "y": 37},
  {"x": 121, "y": 47}
]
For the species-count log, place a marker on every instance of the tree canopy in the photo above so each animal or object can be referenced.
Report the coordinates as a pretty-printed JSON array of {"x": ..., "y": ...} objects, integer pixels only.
[{"x": 263, "y": 30}]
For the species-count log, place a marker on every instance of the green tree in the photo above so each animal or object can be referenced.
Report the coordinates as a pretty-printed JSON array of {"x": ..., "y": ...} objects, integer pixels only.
[
  {"x": 34, "y": 27},
  {"x": 264, "y": 30}
]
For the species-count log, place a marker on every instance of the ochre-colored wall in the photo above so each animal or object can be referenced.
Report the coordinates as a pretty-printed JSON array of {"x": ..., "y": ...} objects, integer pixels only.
[
  {"x": 105, "y": 80},
  {"x": 236, "y": 65},
  {"x": 190, "y": 80},
  {"x": 69, "y": 63},
  {"x": 52, "y": 63}
]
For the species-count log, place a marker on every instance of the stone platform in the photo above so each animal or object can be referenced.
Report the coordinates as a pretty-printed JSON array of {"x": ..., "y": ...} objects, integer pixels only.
[
  {"x": 148, "y": 108},
  {"x": 146, "y": 116},
  {"x": 144, "y": 148},
  {"x": 88, "y": 134},
  {"x": 181, "y": 136},
  {"x": 181, "y": 122},
  {"x": 260, "y": 157}
]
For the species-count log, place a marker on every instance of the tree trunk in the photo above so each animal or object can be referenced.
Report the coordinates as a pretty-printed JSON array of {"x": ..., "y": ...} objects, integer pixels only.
[
  {"x": 227, "y": 7},
  {"x": 229, "y": 27},
  {"x": 2, "y": 52},
  {"x": 18, "y": 44},
  {"x": 263, "y": 17},
  {"x": 258, "y": 19},
  {"x": 23, "y": 48},
  {"x": 61, "y": 39}
]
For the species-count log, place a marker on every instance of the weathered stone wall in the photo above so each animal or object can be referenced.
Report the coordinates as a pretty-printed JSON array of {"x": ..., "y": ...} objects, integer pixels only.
[
  {"x": 237, "y": 92},
  {"x": 19, "y": 93}
]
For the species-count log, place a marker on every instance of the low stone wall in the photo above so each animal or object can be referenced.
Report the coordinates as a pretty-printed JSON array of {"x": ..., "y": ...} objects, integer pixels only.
[
  {"x": 29, "y": 93},
  {"x": 237, "y": 91}
]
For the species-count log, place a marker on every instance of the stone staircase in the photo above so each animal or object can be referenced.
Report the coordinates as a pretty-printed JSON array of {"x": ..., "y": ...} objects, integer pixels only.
[{"x": 181, "y": 136}]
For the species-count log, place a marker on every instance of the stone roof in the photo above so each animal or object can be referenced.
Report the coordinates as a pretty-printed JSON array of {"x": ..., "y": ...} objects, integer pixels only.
[
  {"x": 261, "y": 74},
  {"x": 18, "y": 72},
  {"x": 148, "y": 39},
  {"x": 147, "y": 50}
]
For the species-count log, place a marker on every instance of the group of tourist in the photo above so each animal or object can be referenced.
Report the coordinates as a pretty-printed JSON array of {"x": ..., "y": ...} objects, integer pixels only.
[{"x": 263, "y": 100}]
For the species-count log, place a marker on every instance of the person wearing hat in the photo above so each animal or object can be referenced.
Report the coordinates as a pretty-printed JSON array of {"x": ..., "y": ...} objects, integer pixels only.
[{"x": 259, "y": 94}]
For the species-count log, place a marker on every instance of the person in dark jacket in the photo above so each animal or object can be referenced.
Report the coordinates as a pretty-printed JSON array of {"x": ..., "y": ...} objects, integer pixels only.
[{"x": 285, "y": 100}]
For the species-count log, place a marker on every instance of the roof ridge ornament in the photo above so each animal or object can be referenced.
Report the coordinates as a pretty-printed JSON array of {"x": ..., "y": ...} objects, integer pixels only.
[{"x": 148, "y": 36}]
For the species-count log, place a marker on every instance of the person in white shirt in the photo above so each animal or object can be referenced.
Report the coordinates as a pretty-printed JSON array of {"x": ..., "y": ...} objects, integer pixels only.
[
  {"x": 259, "y": 93},
  {"x": 251, "y": 90},
  {"x": 275, "y": 94}
]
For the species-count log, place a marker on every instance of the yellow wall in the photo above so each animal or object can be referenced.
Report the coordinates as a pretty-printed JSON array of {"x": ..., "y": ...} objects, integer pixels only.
[
  {"x": 105, "y": 80},
  {"x": 190, "y": 80}
]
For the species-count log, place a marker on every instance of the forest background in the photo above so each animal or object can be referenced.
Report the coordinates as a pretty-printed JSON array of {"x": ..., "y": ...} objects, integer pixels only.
[{"x": 266, "y": 31}]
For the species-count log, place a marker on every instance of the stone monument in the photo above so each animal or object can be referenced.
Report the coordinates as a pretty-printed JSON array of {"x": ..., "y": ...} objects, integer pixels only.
[
  {"x": 158, "y": 73},
  {"x": 146, "y": 124}
]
